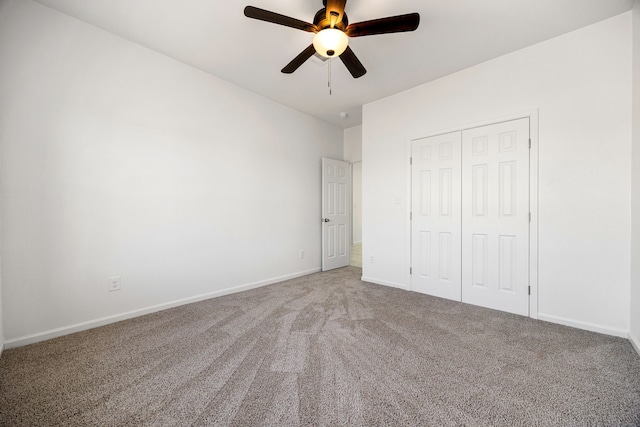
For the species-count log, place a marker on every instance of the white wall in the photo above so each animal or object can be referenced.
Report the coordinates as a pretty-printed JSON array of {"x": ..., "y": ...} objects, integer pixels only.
[
  {"x": 353, "y": 144},
  {"x": 353, "y": 154},
  {"x": 581, "y": 84},
  {"x": 1, "y": 323},
  {"x": 635, "y": 242},
  {"x": 118, "y": 161}
]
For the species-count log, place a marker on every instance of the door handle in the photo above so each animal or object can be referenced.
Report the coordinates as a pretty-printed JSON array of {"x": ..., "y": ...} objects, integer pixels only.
[{"x": 325, "y": 220}]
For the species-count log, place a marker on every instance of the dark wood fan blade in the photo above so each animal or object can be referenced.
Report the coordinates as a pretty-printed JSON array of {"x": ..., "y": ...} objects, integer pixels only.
[
  {"x": 276, "y": 18},
  {"x": 299, "y": 60},
  {"x": 353, "y": 64},
  {"x": 335, "y": 11},
  {"x": 392, "y": 24}
]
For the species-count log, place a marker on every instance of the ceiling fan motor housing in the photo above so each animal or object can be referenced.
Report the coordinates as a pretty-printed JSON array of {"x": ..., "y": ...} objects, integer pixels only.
[{"x": 321, "y": 21}]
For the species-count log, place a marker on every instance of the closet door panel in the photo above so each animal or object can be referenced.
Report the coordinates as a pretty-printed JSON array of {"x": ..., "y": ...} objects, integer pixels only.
[
  {"x": 436, "y": 215},
  {"x": 495, "y": 216}
]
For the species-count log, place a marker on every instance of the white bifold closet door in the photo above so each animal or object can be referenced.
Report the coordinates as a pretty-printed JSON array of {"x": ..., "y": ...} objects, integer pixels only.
[
  {"x": 495, "y": 216},
  {"x": 470, "y": 216},
  {"x": 436, "y": 216}
]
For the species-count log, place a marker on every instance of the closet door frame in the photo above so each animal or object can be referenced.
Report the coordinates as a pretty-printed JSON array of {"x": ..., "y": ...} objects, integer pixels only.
[{"x": 533, "y": 195}]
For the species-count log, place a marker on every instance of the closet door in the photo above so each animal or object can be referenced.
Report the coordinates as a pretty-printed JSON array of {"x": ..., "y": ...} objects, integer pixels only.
[
  {"x": 495, "y": 216},
  {"x": 436, "y": 215}
]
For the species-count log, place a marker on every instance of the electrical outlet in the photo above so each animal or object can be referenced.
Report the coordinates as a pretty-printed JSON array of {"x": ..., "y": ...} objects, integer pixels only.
[
  {"x": 301, "y": 253},
  {"x": 114, "y": 283}
]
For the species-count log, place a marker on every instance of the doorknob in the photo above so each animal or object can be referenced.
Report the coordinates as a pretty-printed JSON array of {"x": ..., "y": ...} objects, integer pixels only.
[{"x": 325, "y": 220}]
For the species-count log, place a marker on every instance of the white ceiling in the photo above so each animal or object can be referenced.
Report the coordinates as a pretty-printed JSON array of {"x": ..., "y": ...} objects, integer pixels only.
[{"x": 216, "y": 37}]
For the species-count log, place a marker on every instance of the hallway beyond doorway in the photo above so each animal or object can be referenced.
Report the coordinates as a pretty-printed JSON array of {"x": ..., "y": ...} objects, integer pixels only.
[{"x": 356, "y": 255}]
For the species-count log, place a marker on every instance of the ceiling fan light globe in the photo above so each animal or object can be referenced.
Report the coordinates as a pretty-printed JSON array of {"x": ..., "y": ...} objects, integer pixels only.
[{"x": 330, "y": 42}]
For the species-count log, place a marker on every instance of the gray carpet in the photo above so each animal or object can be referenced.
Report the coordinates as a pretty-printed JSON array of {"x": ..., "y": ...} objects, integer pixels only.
[{"x": 325, "y": 349}]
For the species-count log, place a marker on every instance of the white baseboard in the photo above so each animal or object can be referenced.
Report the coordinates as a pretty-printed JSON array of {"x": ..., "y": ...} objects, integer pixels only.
[
  {"x": 384, "y": 283},
  {"x": 65, "y": 330},
  {"x": 622, "y": 333},
  {"x": 635, "y": 342}
]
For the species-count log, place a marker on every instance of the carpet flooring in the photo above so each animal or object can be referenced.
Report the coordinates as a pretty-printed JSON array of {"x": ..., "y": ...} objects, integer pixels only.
[{"x": 329, "y": 350}]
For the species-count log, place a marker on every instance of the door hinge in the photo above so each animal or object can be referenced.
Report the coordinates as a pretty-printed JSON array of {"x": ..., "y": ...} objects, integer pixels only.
[
  {"x": 410, "y": 160},
  {"x": 529, "y": 290},
  {"x": 529, "y": 143},
  {"x": 410, "y": 270},
  {"x": 410, "y": 216},
  {"x": 529, "y": 216}
]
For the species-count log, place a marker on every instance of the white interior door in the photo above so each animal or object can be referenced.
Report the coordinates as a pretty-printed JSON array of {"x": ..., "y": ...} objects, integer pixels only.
[
  {"x": 495, "y": 216},
  {"x": 436, "y": 215},
  {"x": 336, "y": 208}
]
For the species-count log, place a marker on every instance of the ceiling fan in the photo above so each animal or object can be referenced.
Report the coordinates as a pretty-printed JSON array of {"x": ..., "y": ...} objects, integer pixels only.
[{"x": 333, "y": 30}]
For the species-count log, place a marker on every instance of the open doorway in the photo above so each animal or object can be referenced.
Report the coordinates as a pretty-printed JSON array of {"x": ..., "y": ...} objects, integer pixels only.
[
  {"x": 353, "y": 154},
  {"x": 356, "y": 214}
]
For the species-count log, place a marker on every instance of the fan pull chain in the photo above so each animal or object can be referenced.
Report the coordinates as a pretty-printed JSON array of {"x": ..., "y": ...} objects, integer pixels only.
[{"x": 329, "y": 78}]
